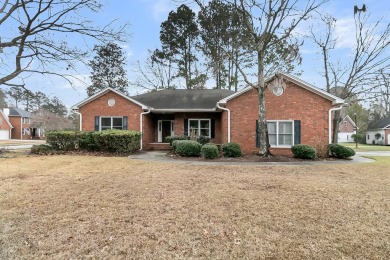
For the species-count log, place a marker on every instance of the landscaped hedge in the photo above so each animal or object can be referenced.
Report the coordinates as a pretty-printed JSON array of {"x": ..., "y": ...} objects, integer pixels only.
[
  {"x": 203, "y": 139},
  {"x": 112, "y": 141},
  {"x": 231, "y": 150},
  {"x": 43, "y": 149},
  {"x": 62, "y": 140},
  {"x": 209, "y": 151},
  {"x": 341, "y": 152},
  {"x": 303, "y": 151},
  {"x": 188, "y": 148},
  {"x": 172, "y": 138}
]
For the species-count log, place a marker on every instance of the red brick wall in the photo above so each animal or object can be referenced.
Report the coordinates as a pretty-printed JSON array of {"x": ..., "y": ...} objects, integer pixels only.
[
  {"x": 99, "y": 107},
  {"x": 387, "y": 133},
  {"x": 16, "y": 122},
  {"x": 296, "y": 103}
]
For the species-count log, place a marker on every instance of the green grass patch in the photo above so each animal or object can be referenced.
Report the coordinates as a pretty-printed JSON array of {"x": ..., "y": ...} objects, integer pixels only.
[{"x": 366, "y": 147}]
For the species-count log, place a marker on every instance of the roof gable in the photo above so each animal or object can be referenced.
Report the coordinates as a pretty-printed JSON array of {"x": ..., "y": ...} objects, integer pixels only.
[
  {"x": 104, "y": 91},
  {"x": 6, "y": 119},
  {"x": 348, "y": 118},
  {"x": 335, "y": 100}
]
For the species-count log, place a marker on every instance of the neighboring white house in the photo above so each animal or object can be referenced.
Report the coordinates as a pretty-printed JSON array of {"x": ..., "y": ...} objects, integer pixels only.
[
  {"x": 347, "y": 128},
  {"x": 379, "y": 132}
]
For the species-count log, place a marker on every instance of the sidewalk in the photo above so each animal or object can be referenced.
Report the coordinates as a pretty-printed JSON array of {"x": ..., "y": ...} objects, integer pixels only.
[{"x": 159, "y": 156}]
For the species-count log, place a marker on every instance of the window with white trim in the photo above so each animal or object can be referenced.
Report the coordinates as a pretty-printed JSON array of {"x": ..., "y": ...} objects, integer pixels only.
[
  {"x": 111, "y": 123},
  {"x": 26, "y": 120},
  {"x": 201, "y": 127},
  {"x": 26, "y": 131},
  {"x": 281, "y": 133}
]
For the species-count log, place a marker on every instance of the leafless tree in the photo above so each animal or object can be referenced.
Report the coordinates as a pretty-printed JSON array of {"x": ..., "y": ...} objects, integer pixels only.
[
  {"x": 358, "y": 75},
  {"x": 39, "y": 36},
  {"x": 269, "y": 23}
]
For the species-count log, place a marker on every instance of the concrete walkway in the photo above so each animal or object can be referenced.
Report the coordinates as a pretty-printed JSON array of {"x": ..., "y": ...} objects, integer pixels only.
[
  {"x": 19, "y": 144},
  {"x": 377, "y": 153},
  {"x": 160, "y": 156}
]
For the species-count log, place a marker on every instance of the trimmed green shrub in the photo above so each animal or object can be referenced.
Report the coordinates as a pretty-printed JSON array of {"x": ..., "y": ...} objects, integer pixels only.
[
  {"x": 174, "y": 144},
  {"x": 117, "y": 141},
  {"x": 188, "y": 148},
  {"x": 341, "y": 152},
  {"x": 203, "y": 139},
  {"x": 42, "y": 149},
  {"x": 62, "y": 140},
  {"x": 172, "y": 138},
  {"x": 303, "y": 151},
  {"x": 209, "y": 151},
  {"x": 231, "y": 150},
  {"x": 87, "y": 142},
  {"x": 360, "y": 138}
]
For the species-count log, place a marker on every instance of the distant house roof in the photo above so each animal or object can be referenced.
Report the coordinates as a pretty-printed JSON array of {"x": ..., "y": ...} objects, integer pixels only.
[
  {"x": 383, "y": 123},
  {"x": 6, "y": 119},
  {"x": 14, "y": 111},
  {"x": 347, "y": 117},
  {"x": 183, "y": 99}
]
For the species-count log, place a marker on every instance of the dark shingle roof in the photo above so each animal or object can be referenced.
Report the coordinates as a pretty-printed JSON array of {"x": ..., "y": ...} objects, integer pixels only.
[
  {"x": 183, "y": 98},
  {"x": 14, "y": 111},
  {"x": 380, "y": 123}
]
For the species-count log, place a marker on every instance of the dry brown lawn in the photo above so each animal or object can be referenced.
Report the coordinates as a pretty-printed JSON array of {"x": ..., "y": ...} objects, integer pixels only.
[{"x": 83, "y": 207}]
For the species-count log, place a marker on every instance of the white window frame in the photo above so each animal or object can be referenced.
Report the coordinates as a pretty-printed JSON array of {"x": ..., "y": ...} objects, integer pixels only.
[
  {"x": 26, "y": 131},
  {"x": 277, "y": 133},
  {"x": 111, "y": 117},
  {"x": 159, "y": 126},
  {"x": 199, "y": 128},
  {"x": 26, "y": 120}
]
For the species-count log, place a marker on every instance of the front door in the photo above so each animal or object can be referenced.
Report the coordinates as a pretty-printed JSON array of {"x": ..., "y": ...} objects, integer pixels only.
[{"x": 165, "y": 128}]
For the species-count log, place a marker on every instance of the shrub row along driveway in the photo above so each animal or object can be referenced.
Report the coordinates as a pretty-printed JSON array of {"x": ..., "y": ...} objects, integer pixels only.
[{"x": 106, "y": 207}]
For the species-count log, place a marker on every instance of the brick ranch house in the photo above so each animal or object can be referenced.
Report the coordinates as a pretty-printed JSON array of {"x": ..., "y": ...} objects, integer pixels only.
[
  {"x": 297, "y": 112},
  {"x": 15, "y": 123},
  {"x": 347, "y": 128}
]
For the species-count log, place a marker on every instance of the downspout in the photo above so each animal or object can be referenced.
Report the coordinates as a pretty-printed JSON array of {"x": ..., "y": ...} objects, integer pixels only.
[
  {"x": 140, "y": 125},
  {"x": 21, "y": 128},
  {"x": 330, "y": 121},
  {"x": 228, "y": 112},
  {"x": 81, "y": 119}
]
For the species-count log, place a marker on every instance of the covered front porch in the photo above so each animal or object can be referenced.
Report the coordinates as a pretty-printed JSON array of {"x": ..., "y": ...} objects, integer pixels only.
[{"x": 157, "y": 126}]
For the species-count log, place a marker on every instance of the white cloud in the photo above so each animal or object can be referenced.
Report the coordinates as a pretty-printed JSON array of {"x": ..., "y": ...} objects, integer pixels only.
[
  {"x": 161, "y": 9},
  {"x": 345, "y": 33}
]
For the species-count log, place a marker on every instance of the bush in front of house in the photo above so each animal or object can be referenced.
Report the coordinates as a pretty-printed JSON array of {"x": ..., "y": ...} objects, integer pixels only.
[
  {"x": 117, "y": 141},
  {"x": 231, "y": 150},
  {"x": 188, "y": 148},
  {"x": 172, "y": 138},
  {"x": 203, "y": 139},
  {"x": 62, "y": 140},
  {"x": 303, "y": 151},
  {"x": 359, "y": 137},
  {"x": 209, "y": 151},
  {"x": 87, "y": 141},
  {"x": 43, "y": 149},
  {"x": 341, "y": 152}
]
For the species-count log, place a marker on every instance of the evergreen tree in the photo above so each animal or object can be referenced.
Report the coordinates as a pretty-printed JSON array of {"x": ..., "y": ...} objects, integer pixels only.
[
  {"x": 16, "y": 94},
  {"x": 108, "y": 69},
  {"x": 3, "y": 103}
]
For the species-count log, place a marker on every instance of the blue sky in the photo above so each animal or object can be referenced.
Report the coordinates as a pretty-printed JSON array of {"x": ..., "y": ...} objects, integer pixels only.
[{"x": 145, "y": 17}]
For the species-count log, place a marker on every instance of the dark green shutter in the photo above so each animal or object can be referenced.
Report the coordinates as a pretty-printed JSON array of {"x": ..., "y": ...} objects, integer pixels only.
[
  {"x": 212, "y": 128},
  {"x": 297, "y": 132},
  {"x": 257, "y": 134},
  {"x": 97, "y": 121},
  {"x": 124, "y": 123},
  {"x": 185, "y": 126}
]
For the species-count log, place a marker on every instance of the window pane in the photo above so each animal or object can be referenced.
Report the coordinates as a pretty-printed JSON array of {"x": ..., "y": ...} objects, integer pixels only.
[
  {"x": 117, "y": 122},
  {"x": 204, "y": 123},
  {"x": 194, "y": 123},
  {"x": 205, "y": 132},
  {"x": 285, "y": 128},
  {"x": 272, "y": 139},
  {"x": 271, "y": 127},
  {"x": 106, "y": 122},
  {"x": 285, "y": 139}
]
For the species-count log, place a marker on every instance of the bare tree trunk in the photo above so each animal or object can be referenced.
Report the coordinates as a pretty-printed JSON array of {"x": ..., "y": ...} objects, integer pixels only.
[
  {"x": 336, "y": 121},
  {"x": 264, "y": 142}
]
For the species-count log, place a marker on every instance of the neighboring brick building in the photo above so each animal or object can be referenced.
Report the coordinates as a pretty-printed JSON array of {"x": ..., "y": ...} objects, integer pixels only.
[
  {"x": 347, "y": 128},
  {"x": 297, "y": 112},
  {"x": 20, "y": 123},
  {"x": 5, "y": 127}
]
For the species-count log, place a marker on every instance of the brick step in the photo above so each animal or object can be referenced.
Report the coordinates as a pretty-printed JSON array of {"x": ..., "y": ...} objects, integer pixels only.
[{"x": 158, "y": 147}]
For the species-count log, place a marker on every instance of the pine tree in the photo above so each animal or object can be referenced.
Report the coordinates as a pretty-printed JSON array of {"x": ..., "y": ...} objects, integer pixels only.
[{"x": 108, "y": 69}]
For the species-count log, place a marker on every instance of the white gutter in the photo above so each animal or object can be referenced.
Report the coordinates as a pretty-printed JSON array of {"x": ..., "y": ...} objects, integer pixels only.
[
  {"x": 228, "y": 112},
  {"x": 80, "y": 118},
  {"x": 140, "y": 125},
  {"x": 330, "y": 121}
]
